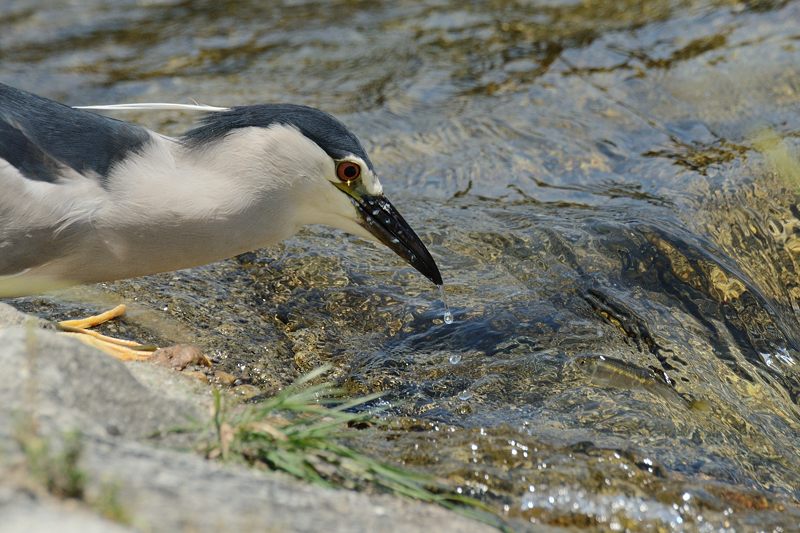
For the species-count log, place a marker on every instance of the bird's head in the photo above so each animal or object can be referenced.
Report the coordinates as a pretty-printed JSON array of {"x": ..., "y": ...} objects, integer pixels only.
[{"x": 322, "y": 166}]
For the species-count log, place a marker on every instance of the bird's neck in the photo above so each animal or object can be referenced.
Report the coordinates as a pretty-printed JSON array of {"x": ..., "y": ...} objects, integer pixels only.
[{"x": 180, "y": 207}]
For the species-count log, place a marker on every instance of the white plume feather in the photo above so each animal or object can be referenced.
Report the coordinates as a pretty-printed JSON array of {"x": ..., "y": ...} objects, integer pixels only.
[{"x": 153, "y": 106}]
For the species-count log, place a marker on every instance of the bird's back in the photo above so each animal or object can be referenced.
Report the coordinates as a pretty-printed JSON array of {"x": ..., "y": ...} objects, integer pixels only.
[
  {"x": 54, "y": 163},
  {"x": 38, "y": 136}
]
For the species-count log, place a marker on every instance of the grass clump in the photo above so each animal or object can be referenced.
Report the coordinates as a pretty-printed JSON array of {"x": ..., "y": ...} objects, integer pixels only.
[{"x": 301, "y": 430}]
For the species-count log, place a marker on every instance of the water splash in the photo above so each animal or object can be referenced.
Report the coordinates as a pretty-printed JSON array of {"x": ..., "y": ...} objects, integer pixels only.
[{"x": 448, "y": 316}]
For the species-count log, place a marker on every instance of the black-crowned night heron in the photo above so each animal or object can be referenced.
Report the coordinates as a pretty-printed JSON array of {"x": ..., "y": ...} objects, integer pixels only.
[{"x": 87, "y": 198}]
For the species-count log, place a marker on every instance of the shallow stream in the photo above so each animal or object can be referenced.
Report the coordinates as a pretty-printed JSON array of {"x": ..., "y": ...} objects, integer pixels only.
[{"x": 610, "y": 190}]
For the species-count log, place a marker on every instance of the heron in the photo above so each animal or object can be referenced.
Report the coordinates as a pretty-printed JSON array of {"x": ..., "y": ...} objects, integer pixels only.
[{"x": 88, "y": 198}]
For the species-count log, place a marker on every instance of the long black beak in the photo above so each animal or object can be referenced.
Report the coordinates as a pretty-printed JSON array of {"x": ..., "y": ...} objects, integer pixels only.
[{"x": 381, "y": 219}]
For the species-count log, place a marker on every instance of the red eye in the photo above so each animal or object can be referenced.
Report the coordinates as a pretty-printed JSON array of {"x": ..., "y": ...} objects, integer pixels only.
[{"x": 347, "y": 171}]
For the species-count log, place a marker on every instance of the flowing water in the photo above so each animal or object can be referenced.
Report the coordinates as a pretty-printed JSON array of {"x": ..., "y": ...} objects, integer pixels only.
[{"x": 594, "y": 178}]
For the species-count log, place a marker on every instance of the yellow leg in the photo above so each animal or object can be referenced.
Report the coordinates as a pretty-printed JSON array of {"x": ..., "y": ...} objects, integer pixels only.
[
  {"x": 121, "y": 349},
  {"x": 95, "y": 320}
]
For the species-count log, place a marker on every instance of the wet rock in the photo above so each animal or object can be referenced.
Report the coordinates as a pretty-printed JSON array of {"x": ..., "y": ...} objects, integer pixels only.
[
  {"x": 11, "y": 317},
  {"x": 196, "y": 374},
  {"x": 180, "y": 356},
  {"x": 246, "y": 391},
  {"x": 224, "y": 378}
]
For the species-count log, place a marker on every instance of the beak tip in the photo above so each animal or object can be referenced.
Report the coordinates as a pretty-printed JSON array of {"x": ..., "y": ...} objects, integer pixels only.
[
  {"x": 436, "y": 278},
  {"x": 426, "y": 266}
]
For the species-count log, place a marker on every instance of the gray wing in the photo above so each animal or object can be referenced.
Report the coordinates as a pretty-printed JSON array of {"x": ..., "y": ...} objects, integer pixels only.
[
  {"x": 54, "y": 165},
  {"x": 38, "y": 135}
]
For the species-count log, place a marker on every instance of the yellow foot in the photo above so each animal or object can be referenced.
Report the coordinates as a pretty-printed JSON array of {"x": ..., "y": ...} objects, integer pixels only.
[
  {"x": 122, "y": 349},
  {"x": 95, "y": 320}
]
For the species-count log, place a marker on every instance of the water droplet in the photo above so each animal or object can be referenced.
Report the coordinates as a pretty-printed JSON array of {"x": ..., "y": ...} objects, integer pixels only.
[
  {"x": 465, "y": 395},
  {"x": 455, "y": 358},
  {"x": 448, "y": 316}
]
